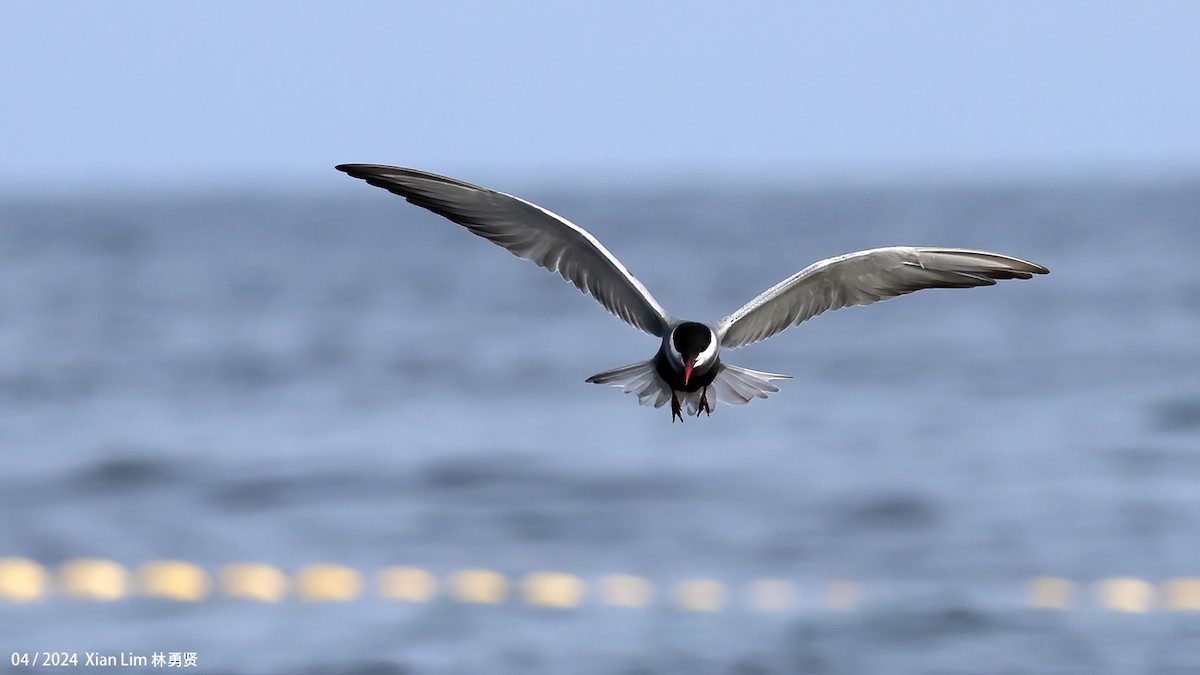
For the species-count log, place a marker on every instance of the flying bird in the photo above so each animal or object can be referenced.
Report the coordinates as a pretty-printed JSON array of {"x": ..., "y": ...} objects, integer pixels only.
[{"x": 688, "y": 370}]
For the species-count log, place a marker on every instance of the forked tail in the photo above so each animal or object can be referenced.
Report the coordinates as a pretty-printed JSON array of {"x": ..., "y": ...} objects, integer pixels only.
[
  {"x": 639, "y": 378},
  {"x": 736, "y": 385},
  {"x": 733, "y": 385}
]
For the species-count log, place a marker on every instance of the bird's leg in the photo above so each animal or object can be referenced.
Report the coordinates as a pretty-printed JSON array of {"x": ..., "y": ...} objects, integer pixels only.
[
  {"x": 704, "y": 404},
  {"x": 675, "y": 408}
]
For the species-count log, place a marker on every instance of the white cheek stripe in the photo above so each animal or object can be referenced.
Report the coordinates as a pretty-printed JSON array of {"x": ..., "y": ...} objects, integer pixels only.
[{"x": 710, "y": 352}]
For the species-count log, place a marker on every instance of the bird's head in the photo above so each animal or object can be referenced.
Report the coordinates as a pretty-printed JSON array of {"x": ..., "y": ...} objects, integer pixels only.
[{"x": 693, "y": 347}]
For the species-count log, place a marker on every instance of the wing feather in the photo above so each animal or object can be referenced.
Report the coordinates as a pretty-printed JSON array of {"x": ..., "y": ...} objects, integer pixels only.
[
  {"x": 528, "y": 231},
  {"x": 863, "y": 278}
]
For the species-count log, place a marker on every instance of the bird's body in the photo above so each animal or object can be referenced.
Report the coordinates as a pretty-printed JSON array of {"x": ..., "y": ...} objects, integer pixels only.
[
  {"x": 688, "y": 375},
  {"x": 687, "y": 369}
]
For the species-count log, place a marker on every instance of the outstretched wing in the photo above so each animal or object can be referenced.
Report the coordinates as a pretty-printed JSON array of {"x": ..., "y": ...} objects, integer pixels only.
[
  {"x": 863, "y": 278},
  {"x": 528, "y": 231}
]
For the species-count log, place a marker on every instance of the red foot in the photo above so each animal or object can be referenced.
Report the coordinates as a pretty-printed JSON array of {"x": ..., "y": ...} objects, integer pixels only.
[
  {"x": 704, "y": 404},
  {"x": 675, "y": 408}
]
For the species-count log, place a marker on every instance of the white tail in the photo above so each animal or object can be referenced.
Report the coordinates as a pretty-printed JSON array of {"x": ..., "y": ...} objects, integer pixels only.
[
  {"x": 733, "y": 385},
  {"x": 736, "y": 385},
  {"x": 639, "y": 378}
]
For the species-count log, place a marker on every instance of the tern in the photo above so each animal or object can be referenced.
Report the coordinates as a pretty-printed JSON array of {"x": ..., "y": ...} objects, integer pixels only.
[{"x": 688, "y": 370}]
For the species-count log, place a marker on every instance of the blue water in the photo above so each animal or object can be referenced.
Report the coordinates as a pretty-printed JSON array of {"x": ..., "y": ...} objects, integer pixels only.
[{"x": 348, "y": 379}]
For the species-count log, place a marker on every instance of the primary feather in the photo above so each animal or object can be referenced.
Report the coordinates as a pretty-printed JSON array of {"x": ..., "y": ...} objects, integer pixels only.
[
  {"x": 528, "y": 231},
  {"x": 863, "y": 278}
]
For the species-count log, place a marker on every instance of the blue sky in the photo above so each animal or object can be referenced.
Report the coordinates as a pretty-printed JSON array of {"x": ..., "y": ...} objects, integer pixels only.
[{"x": 119, "y": 93}]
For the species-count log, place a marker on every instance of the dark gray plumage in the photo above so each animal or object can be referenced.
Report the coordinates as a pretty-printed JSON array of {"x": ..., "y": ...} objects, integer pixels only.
[
  {"x": 687, "y": 370},
  {"x": 528, "y": 231}
]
